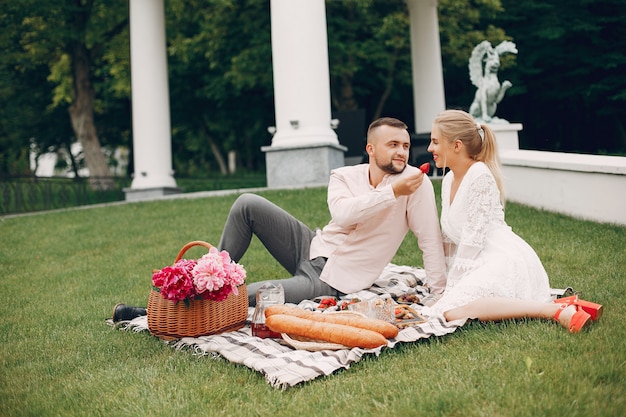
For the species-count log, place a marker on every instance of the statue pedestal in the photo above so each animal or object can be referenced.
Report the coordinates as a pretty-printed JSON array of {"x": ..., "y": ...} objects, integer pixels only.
[
  {"x": 306, "y": 165},
  {"x": 506, "y": 135}
]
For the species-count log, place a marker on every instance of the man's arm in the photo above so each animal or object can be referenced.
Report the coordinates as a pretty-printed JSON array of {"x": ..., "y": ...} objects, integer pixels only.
[{"x": 350, "y": 202}]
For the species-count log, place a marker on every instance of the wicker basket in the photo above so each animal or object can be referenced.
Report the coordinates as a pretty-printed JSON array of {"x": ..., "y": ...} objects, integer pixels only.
[{"x": 169, "y": 320}]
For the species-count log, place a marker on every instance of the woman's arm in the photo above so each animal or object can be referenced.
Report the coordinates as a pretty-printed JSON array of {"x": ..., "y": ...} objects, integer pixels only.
[{"x": 482, "y": 195}]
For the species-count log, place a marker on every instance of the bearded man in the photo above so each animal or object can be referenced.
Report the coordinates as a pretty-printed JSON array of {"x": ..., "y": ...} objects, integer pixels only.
[{"x": 372, "y": 207}]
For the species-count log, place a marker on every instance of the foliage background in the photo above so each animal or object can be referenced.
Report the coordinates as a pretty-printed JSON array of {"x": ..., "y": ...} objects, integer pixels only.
[{"x": 568, "y": 90}]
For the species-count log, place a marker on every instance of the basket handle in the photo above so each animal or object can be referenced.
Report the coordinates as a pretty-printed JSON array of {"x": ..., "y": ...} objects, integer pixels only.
[{"x": 191, "y": 245}]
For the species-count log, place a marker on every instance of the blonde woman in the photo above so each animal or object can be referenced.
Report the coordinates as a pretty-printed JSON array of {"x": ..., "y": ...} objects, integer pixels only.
[{"x": 493, "y": 274}]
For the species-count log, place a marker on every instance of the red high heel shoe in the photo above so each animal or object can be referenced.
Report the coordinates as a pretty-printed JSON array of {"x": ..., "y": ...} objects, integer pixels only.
[
  {"x": 593, "y": 309},
  {"x": 572, "y": 317}
]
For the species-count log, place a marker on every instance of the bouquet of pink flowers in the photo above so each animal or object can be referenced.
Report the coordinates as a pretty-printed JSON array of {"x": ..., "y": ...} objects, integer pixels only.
[{"x": 212, "y": 277}]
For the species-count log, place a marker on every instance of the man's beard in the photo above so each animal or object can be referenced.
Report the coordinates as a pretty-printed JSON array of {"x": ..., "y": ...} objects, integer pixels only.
[{"x": 390, "y": 168}]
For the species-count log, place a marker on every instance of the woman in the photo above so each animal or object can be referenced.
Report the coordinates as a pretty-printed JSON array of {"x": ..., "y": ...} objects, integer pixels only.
[{"x": 493, "y": 274}]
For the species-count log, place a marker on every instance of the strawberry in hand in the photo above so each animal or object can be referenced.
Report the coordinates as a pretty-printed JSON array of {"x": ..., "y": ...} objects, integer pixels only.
[{"x": 425, "y": 167}]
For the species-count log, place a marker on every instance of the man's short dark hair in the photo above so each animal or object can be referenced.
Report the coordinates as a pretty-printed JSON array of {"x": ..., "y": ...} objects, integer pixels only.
[{"x": 386, "y": 121}]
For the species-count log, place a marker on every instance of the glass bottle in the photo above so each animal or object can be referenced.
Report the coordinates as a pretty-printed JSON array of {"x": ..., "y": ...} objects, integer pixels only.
[{"x": 266, "y": 295}]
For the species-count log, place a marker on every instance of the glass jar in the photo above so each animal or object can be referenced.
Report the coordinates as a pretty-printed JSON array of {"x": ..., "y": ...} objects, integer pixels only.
[{"x": 267, "y": 295}]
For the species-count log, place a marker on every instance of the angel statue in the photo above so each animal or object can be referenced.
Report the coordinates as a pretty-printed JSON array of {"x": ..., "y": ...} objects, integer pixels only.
[{"x": 483, "y": 69}]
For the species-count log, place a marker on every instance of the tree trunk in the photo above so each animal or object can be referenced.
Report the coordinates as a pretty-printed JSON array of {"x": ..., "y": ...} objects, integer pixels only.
[
  {"x": 346, "y": 102},
  {"x": 218, "y": 156},
  {"x": 215, "y": 149},
  {"x": 388, "y": 85},
  {"x": 73, "y": 162},
  {"x": 82, "y": 116}
]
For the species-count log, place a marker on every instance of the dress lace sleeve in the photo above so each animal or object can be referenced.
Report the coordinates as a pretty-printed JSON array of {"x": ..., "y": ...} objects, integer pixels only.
[{"x": 482, "y": 194}]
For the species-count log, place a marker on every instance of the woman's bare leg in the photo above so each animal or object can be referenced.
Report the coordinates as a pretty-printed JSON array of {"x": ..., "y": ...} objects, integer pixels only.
[{"x": 495, "y": 309}]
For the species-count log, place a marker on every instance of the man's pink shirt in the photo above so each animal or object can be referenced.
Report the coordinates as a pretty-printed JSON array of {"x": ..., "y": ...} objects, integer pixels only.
[{"x": 368, "y": 225}]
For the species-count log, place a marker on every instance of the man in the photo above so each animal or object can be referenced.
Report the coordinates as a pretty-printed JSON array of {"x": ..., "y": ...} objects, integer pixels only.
[{"x": 372, "y": 207}]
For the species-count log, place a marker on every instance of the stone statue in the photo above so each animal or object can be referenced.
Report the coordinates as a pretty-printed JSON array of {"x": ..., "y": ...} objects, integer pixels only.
[{"x": 483, "y": 70}]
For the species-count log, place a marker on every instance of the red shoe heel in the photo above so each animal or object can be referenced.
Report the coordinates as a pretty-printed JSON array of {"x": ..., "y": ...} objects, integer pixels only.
[
  {"x": 574, "y": 319},
  {"x": 594, "y": 310}
]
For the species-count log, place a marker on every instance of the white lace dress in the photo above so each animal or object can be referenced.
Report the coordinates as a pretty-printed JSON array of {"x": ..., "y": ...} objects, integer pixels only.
[{"x": 485, "y": 258}]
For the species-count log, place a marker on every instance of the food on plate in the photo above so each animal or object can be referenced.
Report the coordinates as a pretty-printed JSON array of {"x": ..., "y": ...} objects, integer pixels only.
[
  {"x": 407, "y": 317},
  {"x": 387, "y": 330},
  {"x": 410, "y": 323},
  {"x": 344, "y": 304},
  {"x": 404, "y": 312},
  {"x": 329, "y": 332},
  {"x": 327, "y": 302},
  {"x": 378, "y": 308},
  {"x": 408, "y": 299}
]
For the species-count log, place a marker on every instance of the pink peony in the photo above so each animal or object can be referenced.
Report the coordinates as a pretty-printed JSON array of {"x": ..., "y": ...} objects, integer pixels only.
[
  {"x": 176, "y": 282},
  {"x": 236, "y": 274},
  {"x": 216, "y": 275},
  {"x": 213, "y": 277}
]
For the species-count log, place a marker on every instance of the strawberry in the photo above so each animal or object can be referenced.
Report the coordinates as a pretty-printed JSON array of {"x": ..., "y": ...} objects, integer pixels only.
[
  {"x": 327, "y": 302},
  {"x": 425, "y": 167}
]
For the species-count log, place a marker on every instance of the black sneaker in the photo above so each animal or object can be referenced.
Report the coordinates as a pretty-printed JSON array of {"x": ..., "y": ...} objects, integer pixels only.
[{"x": 123, "y": 312}]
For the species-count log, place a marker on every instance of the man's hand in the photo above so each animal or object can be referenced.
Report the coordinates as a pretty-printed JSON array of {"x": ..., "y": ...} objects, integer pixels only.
[{"x": 407, "y": 184}]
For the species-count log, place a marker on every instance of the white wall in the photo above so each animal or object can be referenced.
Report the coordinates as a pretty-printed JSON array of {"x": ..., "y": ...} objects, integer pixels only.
[{"x": 591, "y": 187}]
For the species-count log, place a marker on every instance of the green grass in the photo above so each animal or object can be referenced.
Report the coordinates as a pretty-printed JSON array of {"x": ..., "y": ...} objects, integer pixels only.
[{"x": 62, "y": 272}]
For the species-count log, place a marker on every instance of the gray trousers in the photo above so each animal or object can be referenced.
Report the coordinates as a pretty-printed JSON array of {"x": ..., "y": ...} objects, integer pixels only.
[{"x": 286, "y": 238}]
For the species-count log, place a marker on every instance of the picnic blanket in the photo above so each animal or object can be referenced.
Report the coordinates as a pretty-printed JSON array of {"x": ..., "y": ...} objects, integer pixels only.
[{"x": 283, "y": 366}]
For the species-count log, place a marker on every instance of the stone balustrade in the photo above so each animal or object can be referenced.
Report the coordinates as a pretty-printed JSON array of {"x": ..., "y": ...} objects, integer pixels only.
[{"x": 591, "y": 187}]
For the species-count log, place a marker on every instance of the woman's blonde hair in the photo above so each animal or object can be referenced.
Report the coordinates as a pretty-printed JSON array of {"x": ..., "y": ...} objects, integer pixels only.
[{"x": 477, "y": 138}]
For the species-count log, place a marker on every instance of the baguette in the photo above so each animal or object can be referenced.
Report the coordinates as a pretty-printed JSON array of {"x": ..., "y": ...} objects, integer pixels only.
[
  {"x": 388, "y": 330},
  {"x": 327, "y": 332}
]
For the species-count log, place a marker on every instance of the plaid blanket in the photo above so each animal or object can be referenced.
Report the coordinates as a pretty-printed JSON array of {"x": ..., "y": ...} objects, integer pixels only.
[{"x": 284, "y": 366}]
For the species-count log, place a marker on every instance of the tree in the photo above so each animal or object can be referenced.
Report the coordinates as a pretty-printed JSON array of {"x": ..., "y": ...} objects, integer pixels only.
[
  {"x": 462, "y": 26},
  {"x": 369, "y": 53},
  {"x": 72, "y": 58},
  {"x": 90, "y": 27},
  {"x": 73, "y": 39},
  {"x": 25, "y": 118},
  {"x": 569, "y": 88},
  {"x": 220, "y": 82}
]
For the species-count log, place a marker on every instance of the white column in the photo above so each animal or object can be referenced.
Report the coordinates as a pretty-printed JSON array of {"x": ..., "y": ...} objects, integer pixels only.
[
  {"x": 152, "y": 145},
  {"x": 301, "y": 73},
  {"x": 428, "y": 91}
]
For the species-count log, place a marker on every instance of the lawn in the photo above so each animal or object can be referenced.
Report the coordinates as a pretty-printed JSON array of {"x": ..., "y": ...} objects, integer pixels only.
[{"x": 62, "y": 272}]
